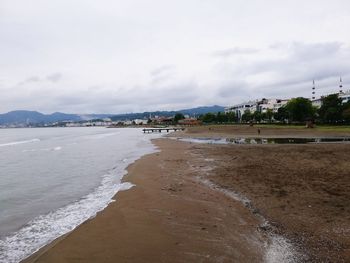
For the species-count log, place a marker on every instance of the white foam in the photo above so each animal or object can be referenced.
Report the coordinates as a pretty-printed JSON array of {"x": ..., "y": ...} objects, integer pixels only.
[
  {"x": 204, "y": 140},
  {"x": 19, "y": 142},
  {"x": 58, "y": 148},
  {"x": 280, "y": 250},
  {"x": 277, "y": 249},
  {"x": 45, "y": 228}
]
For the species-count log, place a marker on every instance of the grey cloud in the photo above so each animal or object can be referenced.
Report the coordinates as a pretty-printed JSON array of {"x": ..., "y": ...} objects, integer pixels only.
[
  {"x": 289, "y": 75},
  {"x": 315, "y": 51},
  {"x": 234, "y": 51},
  {"x": 32, "y": 79},
  {"x": 240, "y": 88},
  {"x": 218, "y": 52},
  {"x": 163, "y": 69},
  {"x": 55, "y": 77}
]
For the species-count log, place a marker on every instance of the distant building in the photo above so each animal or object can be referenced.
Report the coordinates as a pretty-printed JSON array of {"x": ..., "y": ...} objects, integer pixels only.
[
  {"x": 262, "y": 106},
  {"x": 270, "y": 104},
  {"x": 140, "y": 121},
  {"x": 345, "y": 96},
  {"x": 239, "y": 109},
  {"x": 317, "y": 102}
]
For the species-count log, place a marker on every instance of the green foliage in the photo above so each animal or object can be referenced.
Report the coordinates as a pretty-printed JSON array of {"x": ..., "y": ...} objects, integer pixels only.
[
  {"x": 300, "y": 110},
  {"x": 209, "y": 118},
  {"x": 220, "y": 117},
  {"x": 281, "y": 114},
  {"x": 231, "y": 117},
  {"x": 178, "y": 116},
  {"x": 257, "y": 116},
  {"x": 346, "y": 112},
  {"x": 331, "y": 109},
  {"x": 269, "y": 115},
  {"x": 247, "y": 116}
]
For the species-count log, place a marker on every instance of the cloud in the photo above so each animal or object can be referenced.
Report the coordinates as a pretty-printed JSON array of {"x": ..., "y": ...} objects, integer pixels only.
[
  {"x": 32, "y": 79},
  {"x": 123, "y": 56},
  {"x": 162, "y": 69},
  {"x": 235, "y": 51},
  {"x": 55, "y": 77}
]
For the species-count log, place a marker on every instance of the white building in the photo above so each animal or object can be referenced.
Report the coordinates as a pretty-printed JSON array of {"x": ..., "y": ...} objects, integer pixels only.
[
  {"x": 345, "y": 96},
  {"x": 262, "y": 106},
  {"x": 140, "y": 121},
  {"x": 271, "y": 104},
  {"x": 317, "y": 102},
  {"x": 239, "y": 109}
]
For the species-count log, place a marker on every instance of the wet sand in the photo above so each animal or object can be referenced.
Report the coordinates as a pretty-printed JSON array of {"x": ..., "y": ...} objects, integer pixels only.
[
  {"x": 169, "y": 216},
  {"x": 302, "y": 190},
  {"x": 184, "y": 208}
]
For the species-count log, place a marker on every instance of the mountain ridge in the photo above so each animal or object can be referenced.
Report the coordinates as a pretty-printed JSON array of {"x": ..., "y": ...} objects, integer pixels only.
[{"x": 26, "y": 117}]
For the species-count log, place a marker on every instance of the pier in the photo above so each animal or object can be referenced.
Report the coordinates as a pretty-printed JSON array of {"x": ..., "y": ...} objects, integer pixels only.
[{"x": 149, "y": 130}]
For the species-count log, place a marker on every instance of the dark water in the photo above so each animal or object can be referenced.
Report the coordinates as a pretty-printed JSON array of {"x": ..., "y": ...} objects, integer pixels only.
[
  {"x": 284, "y": 140},
  {"x": 267, "y": 140}
]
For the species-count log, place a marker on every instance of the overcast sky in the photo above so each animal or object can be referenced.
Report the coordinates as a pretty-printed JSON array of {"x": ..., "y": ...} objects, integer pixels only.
[{"x": 111, "y": 56}]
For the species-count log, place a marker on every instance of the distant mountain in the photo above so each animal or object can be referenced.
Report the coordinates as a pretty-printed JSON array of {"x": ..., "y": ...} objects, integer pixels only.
[
  {"x": 23, "y": 117},
  {"x": 34, "y": 117},
  {"x": 192, "y": 112},
  {"x": 203, "y": 110}
]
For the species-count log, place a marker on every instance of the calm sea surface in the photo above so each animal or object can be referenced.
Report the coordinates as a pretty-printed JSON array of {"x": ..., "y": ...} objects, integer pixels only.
[{"x": 53, "y": 179}]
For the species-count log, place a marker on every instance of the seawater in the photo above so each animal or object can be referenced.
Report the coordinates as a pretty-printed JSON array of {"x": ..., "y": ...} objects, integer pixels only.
[{"x": 54, "y": 179}]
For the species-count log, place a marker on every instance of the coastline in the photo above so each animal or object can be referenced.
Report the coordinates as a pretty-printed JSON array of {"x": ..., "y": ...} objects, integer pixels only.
[
  {"x": 173, "y": 214},
  {"x": 164, "y": 218}
]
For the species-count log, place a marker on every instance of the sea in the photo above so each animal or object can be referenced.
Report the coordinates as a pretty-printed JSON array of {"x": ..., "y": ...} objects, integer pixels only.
[{"x": 54, "y": 179}]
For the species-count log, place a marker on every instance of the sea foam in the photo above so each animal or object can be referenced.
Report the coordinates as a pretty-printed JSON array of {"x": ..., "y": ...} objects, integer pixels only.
[
  {"x": 44, "y": 229},
  {"x": 19, "y": 142}
]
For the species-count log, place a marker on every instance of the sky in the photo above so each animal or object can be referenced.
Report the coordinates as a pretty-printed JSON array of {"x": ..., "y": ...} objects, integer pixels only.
[{"x": 113, "y": 56}]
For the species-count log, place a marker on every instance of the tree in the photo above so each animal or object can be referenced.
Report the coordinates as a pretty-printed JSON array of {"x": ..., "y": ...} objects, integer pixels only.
[
  {"x": 331, "y": 109},
  {"x": 221, "y": 117},
  {"x": 231, "y": 117},
  {"x": 257, "y": 116},
  {"x": 208, "y": 118},
  {"x": 281, "y": 114},
  {"x": 300, "y": 109},
  {"x": 178, "y": 116},
  {"x": 247, "y": 116},
  {"x": 346, "y": 112},
  {"x": 269, "y": 114}
]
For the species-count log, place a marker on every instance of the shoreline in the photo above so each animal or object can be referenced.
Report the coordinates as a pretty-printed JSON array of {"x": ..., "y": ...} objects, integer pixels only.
[
  {"x": 167, "y": 216},
  {"x": 171, "y": 215}
]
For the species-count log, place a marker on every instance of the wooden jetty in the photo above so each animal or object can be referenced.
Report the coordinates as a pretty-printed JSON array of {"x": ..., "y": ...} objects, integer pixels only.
[{"x": 149, "y": 130}]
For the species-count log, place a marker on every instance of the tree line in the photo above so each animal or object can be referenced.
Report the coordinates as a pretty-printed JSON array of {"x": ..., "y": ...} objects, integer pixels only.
[{"x": 297, "y": 110}]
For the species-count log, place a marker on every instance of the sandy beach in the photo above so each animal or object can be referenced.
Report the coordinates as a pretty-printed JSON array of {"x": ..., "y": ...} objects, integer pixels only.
[{"x": 223, "y": 203}]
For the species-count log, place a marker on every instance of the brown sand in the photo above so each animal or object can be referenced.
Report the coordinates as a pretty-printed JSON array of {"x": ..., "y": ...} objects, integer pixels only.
[
  {"x": 167, "y": 217},
  {"x": 172, "y": 216},
  {"x": 304, "y": 190},
  {"x": 265, "y": 131}
]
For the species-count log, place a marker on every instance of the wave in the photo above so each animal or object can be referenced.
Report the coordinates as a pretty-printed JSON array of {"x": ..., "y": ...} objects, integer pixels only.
[
  {"x": 19, "y": 142},
  {"x": 58, "y": 148},
  {"x": 46, "y": 228}
]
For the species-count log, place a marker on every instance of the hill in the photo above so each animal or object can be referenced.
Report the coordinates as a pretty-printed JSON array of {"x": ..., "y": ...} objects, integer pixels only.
[
  {"x": 24, "y": 117},
  {"x": 192, "y": 112}
]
